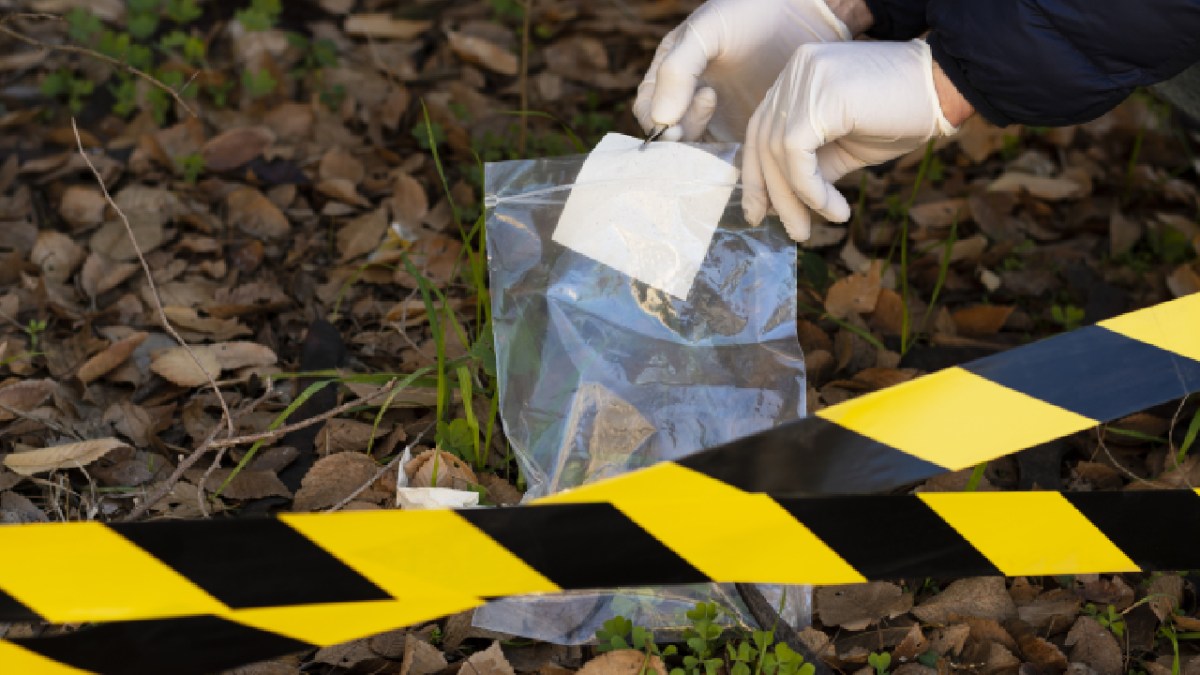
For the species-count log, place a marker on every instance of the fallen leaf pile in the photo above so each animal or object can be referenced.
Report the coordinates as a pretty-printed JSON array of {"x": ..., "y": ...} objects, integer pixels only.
[{"x": 316, "y": 195}]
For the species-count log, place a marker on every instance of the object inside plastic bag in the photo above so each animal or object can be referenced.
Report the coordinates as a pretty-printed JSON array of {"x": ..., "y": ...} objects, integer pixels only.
[{"x": 637, "y": 318}]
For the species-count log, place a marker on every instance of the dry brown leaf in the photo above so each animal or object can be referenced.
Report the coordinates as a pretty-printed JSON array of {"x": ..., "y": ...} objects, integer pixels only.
[
  {"x": 82, "y": 206},
  {"x": 856, "y": 606},
  {"x": 942, "y": 213},
  {"x": 362, "y": 235},
  {"x": 979, "y": 139},
  {"x": 100, "y": 274},
  {"x": 483, "y": 53},
  {"x": 981, "y": 320},
  {"x": 500, "y": 491},
  {"x": 247, "y": 484},
  {"x": 1092, "y": 644},
  {"x": 1123, "y": 233},
  {"x": 1043, "y": 187},
  {"x": 420, "y": 657},
  {"x": 113, "y": 356},
  {"x": 66, "y": 456},
  {"x": 235, "y": 147},
  {"x": 16, "y": 509},
  {"x": 256, "y": 215},
  {"x": 1051, "y": 612},
  {"x": 177, "y": 365},
  {"x": 623, "y": 662},
  {"x": 451, "y": 471},
  {"x": 342, "y": 190},
  {"x": 291, "y": 121},
  {"x": 984, "y": 597},
  {"x": 950, "y": 640},
  {"x": 857, "y": 293},
  {"x": 219, "y": 329},
  {"x": 24, "y": 396},
  {"x": 490, "y": 661},
  {"x": 332, "y": 479},
  {"x": 383, "y": 26},
  {"x": 337, "y": 163},
  {"x": 57, "y": 254},
  {"x": 1165, "y": 595},
  {"x": 408, "y": 203},
  {"x": 1035, "y": 648},
  {"x": 1185, "y": 280}
]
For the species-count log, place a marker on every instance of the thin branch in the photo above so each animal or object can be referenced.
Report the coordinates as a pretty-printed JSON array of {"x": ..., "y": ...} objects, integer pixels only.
[
  {"x": 75, "y": 49},
  {"x": 272, "y": 434},
  {"x": 166, "y": 486},
  {"x": 162, "y": 313}
]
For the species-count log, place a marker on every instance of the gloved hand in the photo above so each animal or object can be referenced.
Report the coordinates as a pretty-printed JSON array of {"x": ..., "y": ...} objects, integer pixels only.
[
  {"x": 836, "y": 108},
  {"x": 720, "y": 62}
]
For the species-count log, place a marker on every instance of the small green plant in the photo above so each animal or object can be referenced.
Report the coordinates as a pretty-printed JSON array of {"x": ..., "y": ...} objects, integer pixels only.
[
  {"x": 34, "y": 330},
  {"x": 258, "y": 83},
  {"x": 880, "y": 661},
  {"x": 756, "y": 654},
  {"x": 1108, "y": 617},
  {"x": 192, "y": 165},
  {"x": 63, "y": 84},
  {"x": 1068, "y": 316},
  {"x": 260, "y": 15},
  {"x": 701, "y": 639},
  {"x": 1189, "y": 438}
]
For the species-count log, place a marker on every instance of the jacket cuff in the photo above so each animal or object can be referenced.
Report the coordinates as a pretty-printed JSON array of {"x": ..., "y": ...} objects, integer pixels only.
[{"x": 957, "y": 76}]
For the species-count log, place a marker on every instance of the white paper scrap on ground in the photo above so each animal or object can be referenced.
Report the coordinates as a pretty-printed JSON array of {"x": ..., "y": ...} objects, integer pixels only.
[
  {"x": 435, "y": 498},
  {"x": 648, "y": 213}
]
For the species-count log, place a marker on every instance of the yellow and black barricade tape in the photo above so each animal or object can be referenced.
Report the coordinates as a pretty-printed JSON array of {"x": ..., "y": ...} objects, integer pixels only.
[{"x": 204, "y": 595}]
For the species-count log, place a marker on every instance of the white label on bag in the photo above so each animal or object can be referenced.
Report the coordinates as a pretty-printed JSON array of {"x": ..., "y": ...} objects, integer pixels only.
[{"x": 648, "y": 213}]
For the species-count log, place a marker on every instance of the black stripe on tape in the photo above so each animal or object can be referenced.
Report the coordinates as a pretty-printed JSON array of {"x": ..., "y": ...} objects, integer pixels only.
[
  {"x": 1158, "y": 529},
  {"x": 12, "y": 609},
  {"x": 1093, "y": 372},
  {"x": 811, "y": 456},
  {"x": 890, "y": 537},
  {"x": 251, "y": 563},
  {"x": 584, "y": 545},
  {"x": 188, "y": 646}
]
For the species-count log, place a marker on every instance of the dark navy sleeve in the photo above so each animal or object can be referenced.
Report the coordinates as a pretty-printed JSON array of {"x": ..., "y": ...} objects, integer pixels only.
[
  {"x": 1059, "y": 62},
  {"x": 897, "y": 19}
]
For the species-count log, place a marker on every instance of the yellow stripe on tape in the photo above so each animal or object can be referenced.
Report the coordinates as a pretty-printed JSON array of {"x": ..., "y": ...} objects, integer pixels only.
[
  {"x": 1029, "y": 533},
  {"x": 955, "y": 419},
  {"x": 20, "y": 661},
  {"x": 52, "y": 568},
  {"x": 421, "y": 550},
  {"x": 711, "y": 525},
  {"x": 334, "y": 623},
  {"x": 1174, "y": 326}
]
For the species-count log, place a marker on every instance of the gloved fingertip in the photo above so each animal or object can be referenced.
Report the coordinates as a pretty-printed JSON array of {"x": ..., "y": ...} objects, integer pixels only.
[
  {"x": 798, "y": 231},
  {"x": 837, "y": 209},
  {"x": 752, "y": 209},
  {"x": 672, "y": 134}
]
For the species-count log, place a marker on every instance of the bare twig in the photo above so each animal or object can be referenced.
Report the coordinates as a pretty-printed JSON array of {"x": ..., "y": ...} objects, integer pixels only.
[
  {"x": 272, "y": 434},
  {"x": 75, "y": 49},
  {"x": 201, "y": 501},
  {"x": 162, "y": 313},
  {"x": 166, "y": 486}
]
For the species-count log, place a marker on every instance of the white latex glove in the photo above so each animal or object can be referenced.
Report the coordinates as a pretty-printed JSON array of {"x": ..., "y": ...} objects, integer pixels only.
[
  {"x": 836, "y": 108},
  {"x": 720, "y": 62}
]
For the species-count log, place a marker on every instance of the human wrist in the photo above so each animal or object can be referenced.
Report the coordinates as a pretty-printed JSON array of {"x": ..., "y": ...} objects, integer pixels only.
[
  {"x": 955, "y": 108},
  {"x": 854, "y": 13}
]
